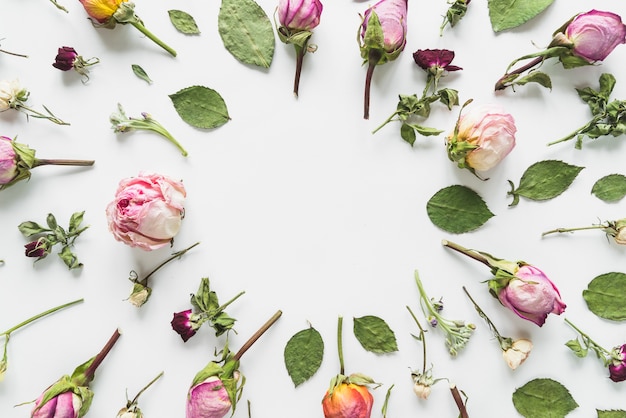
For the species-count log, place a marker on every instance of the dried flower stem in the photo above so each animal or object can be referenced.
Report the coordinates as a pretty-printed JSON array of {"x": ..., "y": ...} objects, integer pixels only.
[
  {"x": 45, "y": 161},
  {"x": 257, "y": 335},
  {"x": 13, "y": 53},
  {"x": 470, "y": 253},
  {"x": 483, "y": 315},
  {"x": 300, "y": 51},
  {"x": 422, "y": 338},
  {"x": 459, "y": 402},
  {"x": 36, "y": 114},
  {"x": 8, "y": 332},
  {"x": 91, "y": 370},
  {"x": 340, "y": 345},
  {"x": 500, "y": 84},
  {"x": 134, "y": 401},
  {"x": 588, "y": 339},
  {"x": 177, "y": 254},
  {"x": 137, "y": 24},
  {"x": 562, "y": 230}
]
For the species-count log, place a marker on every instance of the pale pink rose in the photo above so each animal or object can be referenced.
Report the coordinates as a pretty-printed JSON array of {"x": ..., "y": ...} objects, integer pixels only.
[
  {"x": 299, "y": 14},
  {"x": 147, "y": 210},
  {"x": 208, "y": 399},
  {"x": 64, "y": 405},
  {"x": 517, "y": 353},
  {"x": 392, "y": 15},
  {"x": 531, "y": 295},
  {"x": 491, "y": 130},
  {"x": 8, "y": 161},
  {"x": 620, "y": 232},
  {"x": 595, "y": 34}
]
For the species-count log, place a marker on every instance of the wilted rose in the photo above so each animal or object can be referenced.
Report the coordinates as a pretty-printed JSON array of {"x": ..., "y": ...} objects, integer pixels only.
[
  {"x": 595, "y": 34},
  {"x": 484, "y": 136},
  {"x": 299, "y": 14},
  {"x": 101, "y": 10},
  {"x": 147, "y": 211},
  {"x": 421, "y": 390},
  {"x": 517, "y": 353},
  {"x": 392, "y": 15},
  {"x": 208, "y": 399},
  {"x": 8, "y": 160},
  {"x": 435, "y": 60},
  {"x": 620, "y": 232},
  {"x": 11, "y": 92},
  {"x": 348, "y": 400},
  {"x": 531, "y": 295},
  {"x": 64, "y": 405},
  {"x": 617, "y": 367},
  {"x": 65, "y": 58},
  {"x": 183, "y": 323}
]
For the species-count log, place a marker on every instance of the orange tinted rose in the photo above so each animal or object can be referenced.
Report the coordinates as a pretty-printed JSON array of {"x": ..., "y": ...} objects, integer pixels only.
[
  {"x": 101, "y": 10},
  {"x": 348, "y": 400}
]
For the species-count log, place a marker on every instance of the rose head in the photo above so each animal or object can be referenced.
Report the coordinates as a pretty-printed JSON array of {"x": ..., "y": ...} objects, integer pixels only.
[
  {"x": 484, "y": 136},
  {"x": 531, "y": 295},
  {"x": 65, "y": 58},
  {"x": 64, "y": 405},
  {"x": 147, "y": 211},
  {"x": 392, "y": 15},
  {"x": 11, "y": 93},
  {"x": 595, "y": 34},
  {"x": 101, "y": 10},
  {"x": 620, "y": 232},
  {"x": 435, "y": 59},
  {"x": 517, "y": 353},
  {"x": 617, "y": 367},
  {"x": 183, "y": 323},
  {"x": 8, "y": 160},
  {"x": 38, "y": 249},
  {"x": 208, "y": 399},
  {"x": 348, "y": 400},
  {"x": 299, "y": 14}
]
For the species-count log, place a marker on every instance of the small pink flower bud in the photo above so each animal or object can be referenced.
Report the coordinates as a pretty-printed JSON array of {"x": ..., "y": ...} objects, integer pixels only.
[
  {"x": 531, "y": 295},
  {"x": 595, "y": 34},
  {"x": 392, "y": 15},
  {"x": 517, "y": 353},
  {"x": 299, "y": 14},
  {"x": 64, "y": 405},
  {"x": 8, "y": 160},
  {"x": 65, "y": 58},
  {"x": 208, "y": 399},
  {"x": 147, "y": 211},
  {"x": 617, "y": 368}
]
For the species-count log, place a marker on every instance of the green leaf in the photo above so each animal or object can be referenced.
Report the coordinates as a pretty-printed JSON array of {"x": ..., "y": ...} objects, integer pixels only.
[
  {"x": 139, "y": 72},
  {"x": 544, "y": 180},
  {"x": 407, "y": 133},
  {"x": 30, "y": 228},
  {"x": 577, "y": 348},
  {"x": 458, "y": 209},
  {"x": 75, "y": 220},
  {"x": 536, "y": 77},
  {"x": 303, "y": 355},
  {"x": 201, "y": 107},
  {"x": 543, "y": 398},
  {"x": 610, "y": 188},
  {"x": 606, "y": 296},
  {"x": 611, "y": 414},
  {"x": 507, "y": 14},
  {"x": 51, "y": 221},
  {"x": 184, "y": 22},
  {"x": 69, "y": 258},
  {"x": 246, "y": 32},
  {"x": 374, "y": 334}
]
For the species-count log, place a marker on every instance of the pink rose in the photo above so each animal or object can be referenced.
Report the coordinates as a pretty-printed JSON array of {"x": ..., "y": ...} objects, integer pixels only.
[
  {"x": 299, "y": 14},
  {"x": 147, "y": 210},
  {"x": 617, "y": 367},
  {"x": 595, "y": 34},
  {"x": 392, "y": 15},
  {"x": 531, "y": 295},
  {"x": 64, "y": 405},
  {"x": 485, "y": 135},
  {"x": 208, "y": 399},
  {"x": 8, "y": 160}
]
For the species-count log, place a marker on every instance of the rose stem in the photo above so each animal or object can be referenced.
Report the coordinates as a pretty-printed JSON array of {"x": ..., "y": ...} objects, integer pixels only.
[
  {"x": 45, "y": 161},
  {"x": 34, "y": 318},
  {"x": 91, "y": 370},
  {"x": 177, "y": 254},
  {"x": 458, "y": 401},
  {"x": 340, "y": 344},
  {"x": 500, "y": 85},
  {"x": 144, "y": 389},
  {"x": 256, "y": 335},
  {"x": 561, "y": 230},
  {"x": 300, "y": 51},
  {"x": 472, "y": 254}
]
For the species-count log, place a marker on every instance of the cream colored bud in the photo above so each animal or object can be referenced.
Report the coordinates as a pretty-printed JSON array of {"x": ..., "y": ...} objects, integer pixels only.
[
  {"x": 517, "y": 353},
  {"x": 421, "y": 390}
]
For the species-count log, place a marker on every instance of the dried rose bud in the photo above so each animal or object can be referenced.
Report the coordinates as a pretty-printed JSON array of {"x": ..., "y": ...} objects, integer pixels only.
[
  {"x": 617, "y": 367},
  {"x": 620, "y": 231},
  {"x": 63, "y": 405},
  {"x": 147, "y": 211},
  {"x": 348, "y": 400},
  {"x": 299, "y": 15},
  {"x": 517, "y": 353},
  {"x": 8, "y": 160},
  {"x": 421, "y": 390},
  {"x": 593, "y": 35},
  {"x": 435, "y": 60},
  {"x": 11, "y": 93},
  {"x": 38, "y": 249},
  {"x": 184, "y": 324},
  {"x": 139, "y": 295},
  {"x": 483, "y": 136},
  {"x": 65, "y": 58},
  {"x": 531, "y": 295},
  {"x": 208, "y": 399}
]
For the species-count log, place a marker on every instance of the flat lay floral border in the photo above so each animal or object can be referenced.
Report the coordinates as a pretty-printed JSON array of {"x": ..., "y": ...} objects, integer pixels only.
[{"x": 151, "y": 224}]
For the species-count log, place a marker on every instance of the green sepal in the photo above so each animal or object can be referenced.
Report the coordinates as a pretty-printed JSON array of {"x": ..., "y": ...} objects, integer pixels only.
[
  {"x": 551, "y": 52},
  {"x": 86, "y": 396},
  {"x": 374, "y": 38},
  {"x": 64, "y": 384},
  {"x": 298, "y": 38},
  {"x": 449, "y": 97},
  {"x": 211, "y": 369},
  {"x": 231, "y": 383},
  {"x": 25, "y": 161},
  {"x": 78, "y": 375},
  {"x": 125, "y": 13}
]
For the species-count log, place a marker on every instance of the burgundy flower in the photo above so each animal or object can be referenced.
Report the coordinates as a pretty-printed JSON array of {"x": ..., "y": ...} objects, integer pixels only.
[
  {"x": 183, "y": 323},
  {"x": 37, "y": 249},
  {"x": 617, "y": 369},
  {"x": 65, "y": 58},
  {"x": 429, "y": 58}
]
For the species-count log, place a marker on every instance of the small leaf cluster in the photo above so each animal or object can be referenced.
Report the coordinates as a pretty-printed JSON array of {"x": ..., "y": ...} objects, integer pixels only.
[
  {"x": 55, "y": 234},
  {"x": 206, "y": 305}
]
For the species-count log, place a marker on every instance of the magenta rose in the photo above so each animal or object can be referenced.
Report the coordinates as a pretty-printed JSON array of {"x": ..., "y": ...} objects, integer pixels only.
[
  {"x": 8, "y": 160},
  {"x": 208, "y": 399},
  {"x": 299, "y": 14},
  {"x": 617, "y": 368},
  {"x": 64, "y": 405},
  {"x": 484, "y": 136},
  {"x": 65, "y": 58},
  {"x": 595, "y": 34},
  {"x": 531, "y": 295},
  {"x": 147, "y": 211}
]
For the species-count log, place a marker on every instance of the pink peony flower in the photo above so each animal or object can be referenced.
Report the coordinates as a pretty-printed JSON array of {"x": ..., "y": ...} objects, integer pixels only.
[
  {"x": 595, "y": 34},
  {"x": 208, "y": 399},
  {"x": 482, "y": 138},
  {"x": 64, "y": 405},
  {"x": 531, "y": 295},
  {"x": 147, "y": 211},
  {"x": 299, "y": 14},
  {"x": 617, "y": 368},
  {"x": 8, "y": 160}
]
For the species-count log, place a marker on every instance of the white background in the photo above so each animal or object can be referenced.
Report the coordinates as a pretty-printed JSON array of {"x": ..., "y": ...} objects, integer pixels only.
[{"x": 297, "y": 203}]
